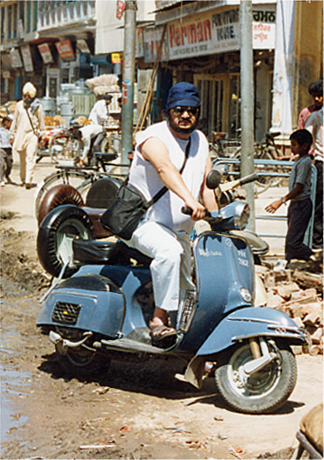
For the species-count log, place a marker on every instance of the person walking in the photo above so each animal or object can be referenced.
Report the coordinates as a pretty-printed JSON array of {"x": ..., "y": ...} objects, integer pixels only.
[
  {"x": 5, "y": 152},
  {"x": 28, "y": 124},
  {"x": 163, "y": 235},
  {"x": 300, "y": 208},
  {"x": 314, "y": 124}
]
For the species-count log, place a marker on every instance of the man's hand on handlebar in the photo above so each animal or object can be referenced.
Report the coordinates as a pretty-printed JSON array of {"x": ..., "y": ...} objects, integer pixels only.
[{"x": 198, "y": 210}]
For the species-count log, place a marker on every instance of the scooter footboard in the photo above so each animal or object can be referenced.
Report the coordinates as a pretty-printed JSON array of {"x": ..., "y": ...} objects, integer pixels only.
[
  {"x": 89, "y": 302},
  {"x": 246, "y": 323}
]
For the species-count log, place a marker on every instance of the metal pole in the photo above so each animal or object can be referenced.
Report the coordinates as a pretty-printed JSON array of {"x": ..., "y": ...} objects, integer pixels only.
[
  {"x": 128, "y": 78},
  {"x": 247, "y": 102}
]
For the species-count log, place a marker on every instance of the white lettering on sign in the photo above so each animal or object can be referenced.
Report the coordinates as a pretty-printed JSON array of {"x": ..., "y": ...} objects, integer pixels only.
[
  {"x": 243, "y": 262},
  {"x": 207, "y": 253}
]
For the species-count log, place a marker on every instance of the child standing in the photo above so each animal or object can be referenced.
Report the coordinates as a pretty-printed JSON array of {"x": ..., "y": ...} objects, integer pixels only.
[
  {"x": 300, "y": 208},
  {"x": 5, "y": 152}
]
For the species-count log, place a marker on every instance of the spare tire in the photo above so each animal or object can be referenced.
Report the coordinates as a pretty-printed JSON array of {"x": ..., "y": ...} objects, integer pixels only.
[
  {"x": 57, "y": 196},
  {"x": 56, "y": 234}
]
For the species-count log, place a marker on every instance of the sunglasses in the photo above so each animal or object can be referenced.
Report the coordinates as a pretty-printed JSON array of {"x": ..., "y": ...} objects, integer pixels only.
[{"x": 191, "y": 110}]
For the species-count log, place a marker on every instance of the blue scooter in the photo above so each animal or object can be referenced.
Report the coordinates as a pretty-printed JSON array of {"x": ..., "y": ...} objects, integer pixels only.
[{"x": 102, "y": 313}]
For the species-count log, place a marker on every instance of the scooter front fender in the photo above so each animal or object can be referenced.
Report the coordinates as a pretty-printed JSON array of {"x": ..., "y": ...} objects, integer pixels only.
[{"x": 251, "y": 322}]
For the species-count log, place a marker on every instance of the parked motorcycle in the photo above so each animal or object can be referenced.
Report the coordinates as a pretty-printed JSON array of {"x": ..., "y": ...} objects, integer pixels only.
[
  {"x": 102, "y": 312},
  {"x": 60, "y": 144}
]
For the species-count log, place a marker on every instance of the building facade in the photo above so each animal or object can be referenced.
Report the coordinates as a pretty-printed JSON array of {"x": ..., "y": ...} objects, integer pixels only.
[{"x": 64, "y": 42}]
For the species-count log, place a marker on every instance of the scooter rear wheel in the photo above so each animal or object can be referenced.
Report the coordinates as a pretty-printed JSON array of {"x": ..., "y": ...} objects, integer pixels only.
[{"x": 263, "y": 392}]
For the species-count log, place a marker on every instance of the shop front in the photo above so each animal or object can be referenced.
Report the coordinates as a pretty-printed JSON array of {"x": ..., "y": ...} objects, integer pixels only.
[{"x": 204, "y": 48}]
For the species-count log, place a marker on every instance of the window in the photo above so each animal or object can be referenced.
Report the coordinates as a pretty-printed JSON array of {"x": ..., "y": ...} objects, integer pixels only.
[
  {"x": 15, "y": 20},
  {"x": 9, "y": 23},
  {"x": 35, "y": 16},
  {"x": 2, "y": 24},
  {"x": 28, "y": 16},
  {"x": 213, "y": 106}
]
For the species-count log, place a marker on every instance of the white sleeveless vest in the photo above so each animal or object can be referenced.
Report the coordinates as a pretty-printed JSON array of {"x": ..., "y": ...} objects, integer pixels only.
[{"x": 143, "y": 175}]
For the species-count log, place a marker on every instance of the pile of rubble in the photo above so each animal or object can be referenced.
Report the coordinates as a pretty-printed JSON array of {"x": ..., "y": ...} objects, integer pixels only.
[{"x": 300, "y": 294}]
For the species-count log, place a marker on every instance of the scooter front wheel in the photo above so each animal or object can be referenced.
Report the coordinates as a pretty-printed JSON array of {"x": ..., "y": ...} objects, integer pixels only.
[{"x": 262, "y": 392}]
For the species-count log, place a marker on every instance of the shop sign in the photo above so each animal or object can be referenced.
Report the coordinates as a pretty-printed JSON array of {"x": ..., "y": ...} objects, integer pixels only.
[
  {"x": 120, "y": 8},
  {"x": 45, "y": 52},
  {"x": 139, "y": 42},
  {"x": 116, "y": 58},
  {"x": 152, "y": 39},
  {"x": 65, "y": 50},
  {"x": 218, "y": 32},
  {"x": 27, "y": 58},
  {"x": 83, "y": 46},
  {"x": 204, "y": 34},
  {"x": 264, "y": 28},
  {"x": 6, "y": 61},
  {"x": 15, "y": 58}
]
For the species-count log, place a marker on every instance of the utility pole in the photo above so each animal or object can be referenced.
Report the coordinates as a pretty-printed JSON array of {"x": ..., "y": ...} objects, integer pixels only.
[
  {"x": 128, "y": 78},
  {"x": 247, "y": 103}
]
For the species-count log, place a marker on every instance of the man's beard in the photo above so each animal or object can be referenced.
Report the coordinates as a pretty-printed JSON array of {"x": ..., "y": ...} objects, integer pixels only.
[{"x": 178, "y": 129}]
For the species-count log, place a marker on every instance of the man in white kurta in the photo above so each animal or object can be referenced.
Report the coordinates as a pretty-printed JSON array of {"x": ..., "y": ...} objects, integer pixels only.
[
  {"x": 27, "y": 125},
  {"x": 164, "y": 233},
  {"x": 99, "y": 114}
]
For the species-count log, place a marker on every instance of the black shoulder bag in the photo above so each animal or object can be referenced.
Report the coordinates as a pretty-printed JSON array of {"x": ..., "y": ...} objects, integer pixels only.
[{"x": 129, "y": 207}]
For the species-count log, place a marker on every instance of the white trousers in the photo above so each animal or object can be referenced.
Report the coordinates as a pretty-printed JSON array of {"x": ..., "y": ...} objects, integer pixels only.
[
  {"x": 27, "y": 154},
  {"x": 171, "y": 265}
]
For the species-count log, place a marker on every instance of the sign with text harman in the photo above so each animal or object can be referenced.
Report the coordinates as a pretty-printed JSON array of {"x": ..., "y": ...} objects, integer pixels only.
[
  {"x": 218, "y": 32},
  {"x": 65, "y": 50}
]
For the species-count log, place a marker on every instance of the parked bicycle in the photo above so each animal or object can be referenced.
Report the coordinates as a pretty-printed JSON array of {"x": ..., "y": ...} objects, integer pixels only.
[{"x": 264, "y": 150}]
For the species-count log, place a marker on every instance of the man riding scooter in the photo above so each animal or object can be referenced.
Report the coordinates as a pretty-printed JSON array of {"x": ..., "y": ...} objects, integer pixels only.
[{"x": 161, "y": 150}]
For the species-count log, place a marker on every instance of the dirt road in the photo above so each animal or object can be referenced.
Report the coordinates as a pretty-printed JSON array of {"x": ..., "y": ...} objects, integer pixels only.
[{"x": 133, "y": 410}]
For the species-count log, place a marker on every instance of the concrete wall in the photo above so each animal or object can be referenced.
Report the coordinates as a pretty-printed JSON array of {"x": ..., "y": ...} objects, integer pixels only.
[{"x": 308, "y": 49}]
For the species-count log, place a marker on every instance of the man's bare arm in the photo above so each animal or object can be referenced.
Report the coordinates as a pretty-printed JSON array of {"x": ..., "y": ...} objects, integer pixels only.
[
  {"x": 156, "y": 152},
  {"x": 207, "y": 194}
]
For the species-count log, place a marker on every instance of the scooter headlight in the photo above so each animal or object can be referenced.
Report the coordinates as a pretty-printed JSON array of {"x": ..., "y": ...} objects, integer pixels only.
[
  {"x": 246, "y": 295},
  {"x": 242, "y": 217}
]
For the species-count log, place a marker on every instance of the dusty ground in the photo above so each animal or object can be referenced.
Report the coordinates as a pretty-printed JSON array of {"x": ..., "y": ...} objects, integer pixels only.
[{"x": 132, "y": 410}]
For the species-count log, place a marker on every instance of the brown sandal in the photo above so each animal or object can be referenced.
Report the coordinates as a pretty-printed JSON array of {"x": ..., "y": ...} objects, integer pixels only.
[{"x": 159, "y": 333}]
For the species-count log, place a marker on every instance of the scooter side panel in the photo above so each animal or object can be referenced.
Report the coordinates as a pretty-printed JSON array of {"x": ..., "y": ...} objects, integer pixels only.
[
  {"x": 90, "y": 302},
  {"x": 252, "y": 322},
  {"x": 224, "y": 265}
]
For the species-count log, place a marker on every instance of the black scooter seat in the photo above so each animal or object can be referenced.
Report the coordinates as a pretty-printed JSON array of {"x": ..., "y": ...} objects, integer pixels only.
[{"x": 94, "y": 252}]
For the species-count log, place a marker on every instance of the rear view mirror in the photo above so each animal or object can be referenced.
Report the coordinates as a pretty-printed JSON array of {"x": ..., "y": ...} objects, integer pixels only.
[{"x": 213, "y": 179}]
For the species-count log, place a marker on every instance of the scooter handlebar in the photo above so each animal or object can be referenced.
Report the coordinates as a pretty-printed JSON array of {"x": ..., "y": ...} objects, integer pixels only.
[{"x": 188, "y": 211}]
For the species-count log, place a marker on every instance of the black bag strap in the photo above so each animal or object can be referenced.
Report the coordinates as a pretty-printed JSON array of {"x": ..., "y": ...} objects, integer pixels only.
[
  {"x": 164, "y": 189},
  {"x": 30, "y": 121}
]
